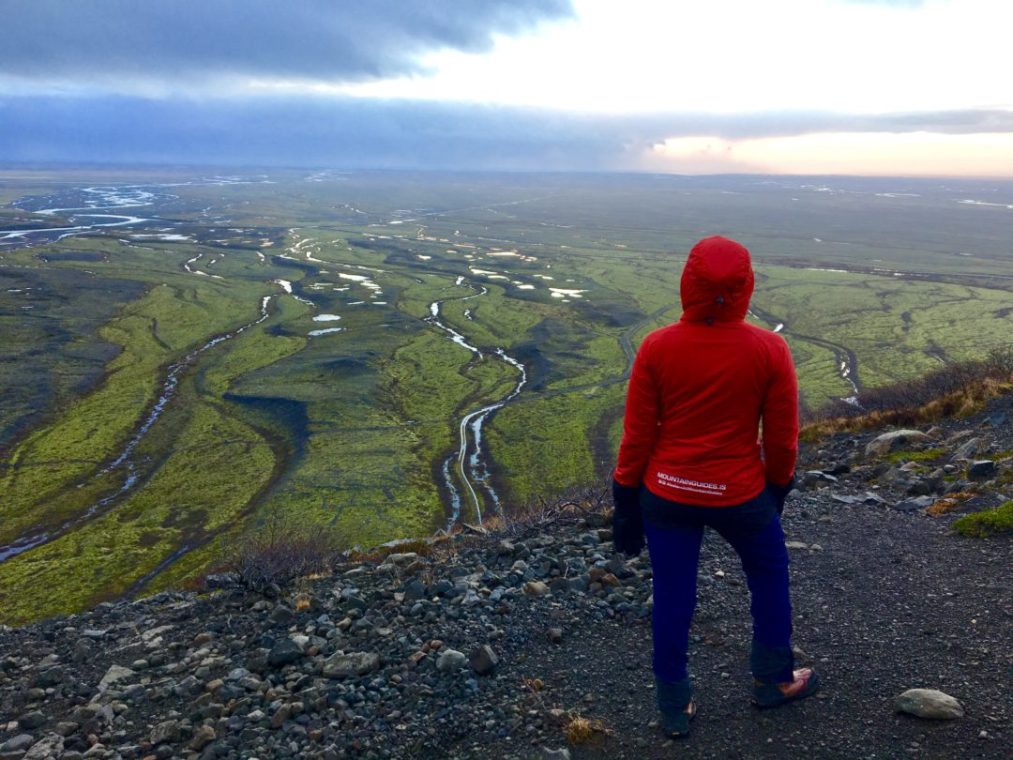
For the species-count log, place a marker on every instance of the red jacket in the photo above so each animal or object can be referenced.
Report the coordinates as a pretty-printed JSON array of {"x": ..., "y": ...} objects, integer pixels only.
[{"x": 701, "y": 387}]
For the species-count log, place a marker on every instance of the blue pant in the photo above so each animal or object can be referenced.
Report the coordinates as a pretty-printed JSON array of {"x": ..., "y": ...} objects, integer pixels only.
[{"x": 675, "y": 551}]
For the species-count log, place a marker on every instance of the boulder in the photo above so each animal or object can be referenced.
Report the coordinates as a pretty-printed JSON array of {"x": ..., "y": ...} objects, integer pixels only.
[
  {"x": 351, "y": 664},
  {"x": 969, "y": 449},
  {"x": 911, "y": 505},
  {"x": 114, "y": 675},
  {"x": 284, "y": 652},
  {"x": 166, "y": 732},
  {"x": 222, "y": 580},
  {"x": 49, "y": 747},
  {"x": 201, "y": 738},
  {"x": 894, "y": 440},
  {"x": 929, "y": 703},
  {"x": 450, "y": 660},
  {"x": 813, "y": 478},
  {"x": 535, "y": 588},
  {"x": 483, "y": 660},
  {"x": 18, "y": 743},
  {"x": 981, "y": 469}
]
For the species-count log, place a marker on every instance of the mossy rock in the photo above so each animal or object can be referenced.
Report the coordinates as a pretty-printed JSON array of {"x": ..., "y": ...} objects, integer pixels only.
[{"x": 990, "y": 522}]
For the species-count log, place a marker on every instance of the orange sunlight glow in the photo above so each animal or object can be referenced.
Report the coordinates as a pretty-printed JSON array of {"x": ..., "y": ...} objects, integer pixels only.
[{"x": 866, "y": 153}]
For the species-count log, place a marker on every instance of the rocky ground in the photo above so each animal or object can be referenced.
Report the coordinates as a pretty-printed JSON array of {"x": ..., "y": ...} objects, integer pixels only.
[{"x": 536, "y": 643}]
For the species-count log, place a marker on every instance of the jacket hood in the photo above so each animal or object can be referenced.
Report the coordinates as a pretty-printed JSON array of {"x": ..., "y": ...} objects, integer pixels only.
[{"x": 717, "y": 281}]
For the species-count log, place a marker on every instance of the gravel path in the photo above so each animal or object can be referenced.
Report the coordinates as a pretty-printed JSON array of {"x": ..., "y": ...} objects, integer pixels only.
[
  {"x": 891, "y": 601},
  {"x": 492, "y": 646}
]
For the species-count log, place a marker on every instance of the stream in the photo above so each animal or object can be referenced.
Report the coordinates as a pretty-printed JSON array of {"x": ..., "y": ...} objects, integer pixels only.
[
  {"x": 96, "y": 201},
  {"x": 845, "y": 359},
  {"x": 124, "y": 459},
  {"x": 471, "y": 467}
]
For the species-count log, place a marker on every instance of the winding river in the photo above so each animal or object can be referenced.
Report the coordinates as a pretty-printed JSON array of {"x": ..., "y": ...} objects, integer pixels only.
[
  {"x": 468, "y": 462},
  {"x": 124, "y": 460},
  {"x": 86, "y": 218},
  {"x": 844, "y": 358}
]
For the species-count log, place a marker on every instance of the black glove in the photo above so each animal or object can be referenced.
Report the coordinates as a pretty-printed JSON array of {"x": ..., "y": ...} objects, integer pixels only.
[
  {"x": 627, "y": 519},
  {"x": 780, "y": 493}
]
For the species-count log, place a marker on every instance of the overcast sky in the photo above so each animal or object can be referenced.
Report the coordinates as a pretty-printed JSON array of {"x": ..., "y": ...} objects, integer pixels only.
[{"x": 903, "y": 87}]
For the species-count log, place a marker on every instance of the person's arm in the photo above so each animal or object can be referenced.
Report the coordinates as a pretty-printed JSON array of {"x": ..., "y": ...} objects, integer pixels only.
[
  {"x": 780, "y": 421},
  {"x": 640, "y": 423},
  {"x": 640, "y": 427}
]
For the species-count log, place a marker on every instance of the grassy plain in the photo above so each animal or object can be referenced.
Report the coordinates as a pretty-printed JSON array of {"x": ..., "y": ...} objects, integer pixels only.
[{"x": 341, "y": 407}]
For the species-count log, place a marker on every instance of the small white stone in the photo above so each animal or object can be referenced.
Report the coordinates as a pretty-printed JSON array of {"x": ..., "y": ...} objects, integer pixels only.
[{"x": 929, "y": 703}]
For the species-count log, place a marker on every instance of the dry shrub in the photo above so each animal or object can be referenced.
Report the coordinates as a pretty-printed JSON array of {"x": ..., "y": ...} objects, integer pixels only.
[
  {"x": 580, "y": 730},
  {"x": 947, "y": 504},
  {"x": 421, "y": 546},
  {"x": 281, "y": 550},
  {"x": 956, "y": 390},
  {"x": 571, "y": 506}
]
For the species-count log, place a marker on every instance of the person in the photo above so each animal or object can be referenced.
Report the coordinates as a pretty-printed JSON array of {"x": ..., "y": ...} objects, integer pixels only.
[{"x": 692, "y": 456}]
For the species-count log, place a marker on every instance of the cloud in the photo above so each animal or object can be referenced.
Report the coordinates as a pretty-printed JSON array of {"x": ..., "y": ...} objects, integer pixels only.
[
  {"x": 368, "y": 133},
  {"x": 183, "y": 43},
  {"x": 891, "y": 3}
]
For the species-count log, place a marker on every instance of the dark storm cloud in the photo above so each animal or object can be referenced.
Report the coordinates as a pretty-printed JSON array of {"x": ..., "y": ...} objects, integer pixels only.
[
  {"x": 350, "y": 132},
  {"x": 188, "y": 41}
]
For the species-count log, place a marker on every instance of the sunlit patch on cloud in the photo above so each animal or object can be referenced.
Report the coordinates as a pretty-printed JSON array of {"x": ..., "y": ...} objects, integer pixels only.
[{"x": 870, "y": 153}]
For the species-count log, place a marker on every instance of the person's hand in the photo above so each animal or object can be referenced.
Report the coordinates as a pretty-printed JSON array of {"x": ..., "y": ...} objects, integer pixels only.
[
  {"x": 780, "y": 493},
  {"x": 627, "y": 519}
]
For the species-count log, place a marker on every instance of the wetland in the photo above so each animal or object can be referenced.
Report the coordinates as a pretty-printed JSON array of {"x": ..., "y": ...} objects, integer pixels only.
[{"x": 188, "y": 355}]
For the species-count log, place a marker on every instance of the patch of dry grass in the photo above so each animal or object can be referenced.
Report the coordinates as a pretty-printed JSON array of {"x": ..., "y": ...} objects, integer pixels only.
[
  {"x": 580, "y": 730},
  {"x": 956, "y": 390}
]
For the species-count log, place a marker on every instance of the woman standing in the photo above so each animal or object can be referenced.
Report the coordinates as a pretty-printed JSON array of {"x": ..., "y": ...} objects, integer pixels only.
[{"x": 692, "y": 457}]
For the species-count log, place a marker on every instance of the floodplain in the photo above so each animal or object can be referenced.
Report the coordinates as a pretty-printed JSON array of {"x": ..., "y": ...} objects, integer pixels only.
[{"x": 187, "y": 355}]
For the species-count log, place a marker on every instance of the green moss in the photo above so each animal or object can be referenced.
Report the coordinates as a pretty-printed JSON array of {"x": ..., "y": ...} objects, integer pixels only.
[
  {"x": 925, "y": 455},
  {"x": 990, "y": 522}
]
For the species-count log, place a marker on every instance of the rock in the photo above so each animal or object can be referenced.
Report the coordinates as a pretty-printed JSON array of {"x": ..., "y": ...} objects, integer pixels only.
[
  {"x": 450, "y": 660},
  {"x": 969, "y": 448},
  {"x": 352, "y": 664},
  {"x": 222, "y": 580},
  {"x": 555, "y": 754},
  {"x": 282, "y": 615},
  {"x": 483, "y": 660},
  {"x": 981, "y": 469},
  {"x": 49, "y": 747},
  {"x": 31, "y": 720},
  {"x": 49, "y": 678},
  {"x": 114, "y": 675},
  {"x": 284, "y": 652},
  {"x": 911, "y": 505},
  {"x": 929, "y": 703},
  {"x": 282, "y": 714},
  {"x": 202, "y": 737},
  {"x": 555, "y": 635},
  {"x": 414, "y": 591},
  {"x": 535, "y": 588},
  {"x": 812, "y": 478},
  {"x": 166, "y": 732},
  {"x": 796, "y": 545},
  {"x": 19, "y": 743},
  {"x": 401, "y": 559},
  {"x": 893, "y": 440}
]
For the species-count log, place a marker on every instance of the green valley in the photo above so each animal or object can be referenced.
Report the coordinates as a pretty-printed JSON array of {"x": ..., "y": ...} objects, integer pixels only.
[{"x": 382, "y": 354}]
